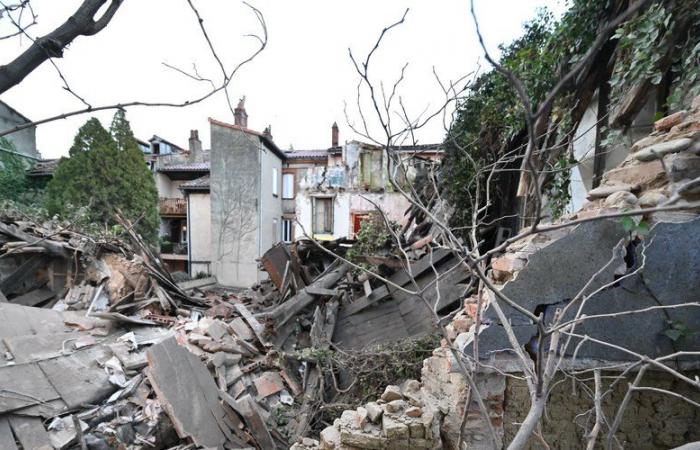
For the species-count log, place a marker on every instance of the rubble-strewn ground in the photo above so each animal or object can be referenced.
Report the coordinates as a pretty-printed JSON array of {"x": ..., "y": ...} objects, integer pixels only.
[{"x": 663, "y": 166}]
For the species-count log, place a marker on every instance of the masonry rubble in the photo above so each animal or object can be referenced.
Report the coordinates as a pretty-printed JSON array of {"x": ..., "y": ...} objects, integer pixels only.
[
  {"x": 663, "y": 166},
  {"x": 104, "y": 349}
]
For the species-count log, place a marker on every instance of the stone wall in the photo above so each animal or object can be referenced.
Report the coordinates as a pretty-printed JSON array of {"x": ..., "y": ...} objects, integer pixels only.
[{"x": 652, "y": 420}]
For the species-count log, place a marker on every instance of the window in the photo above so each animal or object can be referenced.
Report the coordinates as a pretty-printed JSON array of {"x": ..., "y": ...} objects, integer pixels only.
[
  {"x": 274, "y": 182},
  {"x": 156, "y": 148},
  {"x": 323, "y": 215},
  {"x": 275, "y": 231},
  {"x": 287, "y": 230},
  {"x": 287, "y": 185}
]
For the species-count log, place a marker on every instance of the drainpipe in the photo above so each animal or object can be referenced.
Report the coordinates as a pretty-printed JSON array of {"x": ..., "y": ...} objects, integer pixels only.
[
  {"x": 189, "y": 237},
  {"x": 260, "y": 208}
]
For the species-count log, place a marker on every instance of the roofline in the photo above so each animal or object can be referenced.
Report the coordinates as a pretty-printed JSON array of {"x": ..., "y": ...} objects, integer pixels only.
[
  {"x": 264, "y": 139},
  {"x": 195, "y": 188},
  {"x": 167, "y": 142},
  {"x": 28, "y": 120},
  {"x": 165, "y": 169}
]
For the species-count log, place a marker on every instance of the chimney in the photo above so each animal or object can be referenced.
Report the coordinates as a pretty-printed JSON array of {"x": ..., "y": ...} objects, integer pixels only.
[
  {"x": 239, "y": 114},
  {"x": 334, "y": 135},
  {"x": 268, "y": 132},
  {"x": 195, "y": 146}
]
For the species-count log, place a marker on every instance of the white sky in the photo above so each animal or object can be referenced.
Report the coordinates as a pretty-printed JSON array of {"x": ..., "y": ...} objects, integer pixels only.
[{"x": 298, "y": 84}]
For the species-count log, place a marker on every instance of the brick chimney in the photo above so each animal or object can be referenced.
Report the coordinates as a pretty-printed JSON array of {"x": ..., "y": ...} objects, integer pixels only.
[
  {"x": 268, "y": 132},
  {"x": 239, "y": 114},
  {"x": 195, "y": 146},
  {"x": 334, "y": 135}
]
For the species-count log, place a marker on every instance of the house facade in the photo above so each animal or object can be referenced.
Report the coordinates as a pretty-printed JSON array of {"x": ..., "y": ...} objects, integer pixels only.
[
  {"x": 24, "y": 141},
  {"x": 245, "y": 195}
]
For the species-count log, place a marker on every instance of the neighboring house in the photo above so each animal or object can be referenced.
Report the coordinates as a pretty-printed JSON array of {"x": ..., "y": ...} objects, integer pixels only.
[
  {"x": 246, "y": 203},
  {"x": 251, "y": 195},
  {"x": 336, "y": 189},
  {"x": 174, "y": 167},
  {"x": 24, "y": 141}
]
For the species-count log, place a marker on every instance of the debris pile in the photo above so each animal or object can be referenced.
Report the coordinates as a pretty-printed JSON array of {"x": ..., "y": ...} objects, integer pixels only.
[
  {"x": 537, "y": 271},
  {"x": 662, "y": 167},
  {"x": 104, "y": 349}
]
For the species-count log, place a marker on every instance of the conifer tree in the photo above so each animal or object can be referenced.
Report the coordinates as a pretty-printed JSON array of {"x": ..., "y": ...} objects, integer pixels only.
[{"x": 106, "y": 171}]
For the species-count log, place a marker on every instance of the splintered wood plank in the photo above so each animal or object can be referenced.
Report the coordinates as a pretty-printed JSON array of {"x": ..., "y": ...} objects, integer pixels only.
[
  {"x": 30, "y": 432},
  {"x": 188, "y": 394},
  {"x": 7, "y": 439}
]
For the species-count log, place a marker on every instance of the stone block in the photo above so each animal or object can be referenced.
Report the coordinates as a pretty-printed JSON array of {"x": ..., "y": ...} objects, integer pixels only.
[
  {"x": 410, "y": 386},
  {"x": 609, "y": 189},
  {"x": 329, "y": 439},
  {"x": 362, "y": 440},
  {"x": 402, "y": 444},
  {"x": 621, "y": 200},
  {"x": 644, "y": 175},
  {"x": 670, "y": 121},
  {"x": 683, "y": 166},
  {"x": 420, "y": 443},
  {"x": 661, "y": 149},
  {"x": 651, "y": 199},
  {"x": 374, "y": 411},
  {"x": 395, "y": 406},
  {"x": 414, "y": 411},
  {"x": 392, "y": 393},
  {"x": 393, "y": 429},
  {"x": 416, "y": 429},
  {"x": 695, "y": 105}
]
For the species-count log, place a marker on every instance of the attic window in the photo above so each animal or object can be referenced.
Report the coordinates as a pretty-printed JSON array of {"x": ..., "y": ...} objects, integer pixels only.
[{"x": 156, "y": 148}]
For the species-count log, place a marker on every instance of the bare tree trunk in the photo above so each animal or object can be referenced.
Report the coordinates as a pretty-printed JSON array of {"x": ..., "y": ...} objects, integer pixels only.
[{"x": 81, "y": 23}]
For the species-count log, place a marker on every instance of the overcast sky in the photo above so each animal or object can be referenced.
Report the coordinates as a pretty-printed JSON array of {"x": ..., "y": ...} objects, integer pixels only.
[{"x": 298, "y": 85}]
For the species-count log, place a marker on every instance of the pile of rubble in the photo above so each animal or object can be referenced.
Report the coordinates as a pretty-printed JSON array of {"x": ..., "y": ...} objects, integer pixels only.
[
  {"x": 661, "y": 167},
  {"x": 104, "y": 349},
  {"x": 395, "y": 421}
]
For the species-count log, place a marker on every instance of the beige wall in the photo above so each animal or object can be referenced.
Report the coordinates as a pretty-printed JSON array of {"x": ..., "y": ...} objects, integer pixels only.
[
  {"x": 199, "y": 232},
  {"x": 168, "y": 188}
]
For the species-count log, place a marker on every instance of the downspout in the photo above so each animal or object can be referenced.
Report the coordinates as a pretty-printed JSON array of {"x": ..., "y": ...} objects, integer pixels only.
[
  {"x": 260, "y": 175},
  {"x": 189, "y": 236}
]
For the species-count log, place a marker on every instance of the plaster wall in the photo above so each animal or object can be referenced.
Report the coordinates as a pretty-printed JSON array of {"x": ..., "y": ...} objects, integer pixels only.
[
  {"x": 199, "y": 232},
  {"x": 270, "y": 203},
  {"x": 24, "y": 140},
  {"x": 235, "y": 216},
  {"x": 168, "y": 188}
]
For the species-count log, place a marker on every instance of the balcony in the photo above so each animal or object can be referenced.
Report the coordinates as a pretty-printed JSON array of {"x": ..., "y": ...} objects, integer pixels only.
[{"x": 172, "y": 207}]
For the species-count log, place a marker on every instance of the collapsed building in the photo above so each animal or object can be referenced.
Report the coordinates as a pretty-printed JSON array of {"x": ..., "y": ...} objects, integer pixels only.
[
  {"x": 102, "y": 348},
  {"x": 653, "y": 276}
]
